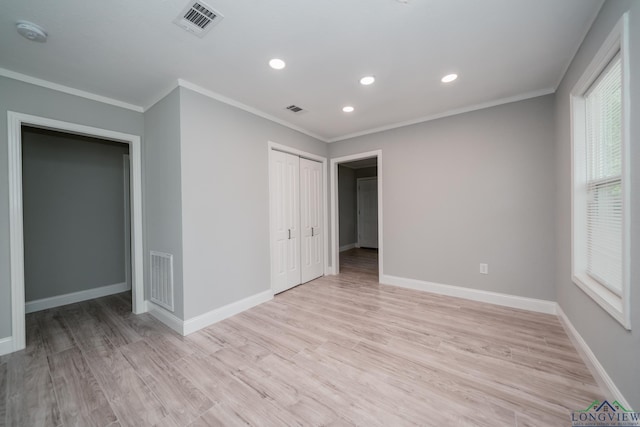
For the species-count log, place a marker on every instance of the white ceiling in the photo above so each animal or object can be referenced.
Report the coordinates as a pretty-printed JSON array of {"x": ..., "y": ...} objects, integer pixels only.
[{"x": 131, "y": 51}]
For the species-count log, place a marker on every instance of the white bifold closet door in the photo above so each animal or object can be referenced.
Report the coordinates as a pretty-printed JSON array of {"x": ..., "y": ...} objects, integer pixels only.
[
  {"x": 285, "y": 219},
  {"x": 296, "y": 218},
  {"x": 311, "y": 219}
]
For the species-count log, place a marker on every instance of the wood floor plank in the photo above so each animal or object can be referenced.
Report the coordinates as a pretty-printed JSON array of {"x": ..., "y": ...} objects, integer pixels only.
[
  {"x": 56, "y": 335},
  {"x": 280, "y": 390},
  {"x": 254, "y": 408},
  {"x": 322, "y": 327},
  {"x": 115, "y": 327},
  {"x": 130, "y": 397},
  {"x": 226, "y": 335},
  {"x": 207, "y": 373},
  {"x": 87, "y": 330},
  {"x": 82, "y": 402},
  {"x": 29, "y": 393},
  {"x": 313, "y": 412},
  {"x": 118, "y": 304},
  {"x": 340, "y": 422},
  {"x": 220, "y": 416},
  {"x": 279, "y": 340},
  {"x": 248, "y": 352},
  {"x": 3, "y": 393},
  {"x": 184, "y": 401},
  {"x": 205, "y": 341},
  {"x": 317, "y": 385},
  {"x": 35, "y": 404},
  {"x": 304, "y": 338}
]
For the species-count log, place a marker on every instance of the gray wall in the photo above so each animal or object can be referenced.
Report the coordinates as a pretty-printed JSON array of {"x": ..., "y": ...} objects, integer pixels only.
[
  {"x": 225, "y": 200},
  {"x": 347, "y": 205},
  {"x": 163, "y": 189},
  {"x": 617, "y": 349},
  {"x": 73, "y": 201},
  {"x": 476, "y": 187},
  {"x": 30, "y": 99}
]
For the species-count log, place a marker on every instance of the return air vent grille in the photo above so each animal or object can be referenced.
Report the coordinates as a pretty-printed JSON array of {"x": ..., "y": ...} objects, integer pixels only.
[
  {"x": 295, "y": 109},
  {"x": 198, "y": 18},
  {"x": 162, "y": 279}
]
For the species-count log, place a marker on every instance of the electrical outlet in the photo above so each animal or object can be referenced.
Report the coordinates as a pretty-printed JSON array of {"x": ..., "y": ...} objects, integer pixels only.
[{"x": 484, "y": 268}]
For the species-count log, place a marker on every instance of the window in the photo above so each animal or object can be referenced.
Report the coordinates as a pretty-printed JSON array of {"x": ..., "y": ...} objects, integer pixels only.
[
  {"x": 600, "y": 202},
  {"x": 604, "y": 178}
]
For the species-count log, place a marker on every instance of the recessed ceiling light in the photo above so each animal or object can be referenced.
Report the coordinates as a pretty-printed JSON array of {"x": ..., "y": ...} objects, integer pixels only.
[
  {"x": 367, "y": 80},
  {"x": 277, "y": 64},
  {"x": 449, "y": 78},
  {"x": 348, "y": 109}
]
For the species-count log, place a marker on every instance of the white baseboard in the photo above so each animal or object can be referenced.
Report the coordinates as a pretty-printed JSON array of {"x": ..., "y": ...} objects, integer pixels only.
[
  {"x": 347, "y": 247},
  {"x": 196, "y": 323},
  {"x": 166, "y": 317},
  {"x": 524, "y": 303},
  {"x": 186, "y": 327},
  {"x": 6, "y": 346},
  {"x": 597, "y": 370},
  {"x": 60, "y": 300}
]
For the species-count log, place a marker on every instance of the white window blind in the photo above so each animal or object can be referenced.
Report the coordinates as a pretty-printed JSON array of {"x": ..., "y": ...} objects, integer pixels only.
[{"x": 603, "y": 102}]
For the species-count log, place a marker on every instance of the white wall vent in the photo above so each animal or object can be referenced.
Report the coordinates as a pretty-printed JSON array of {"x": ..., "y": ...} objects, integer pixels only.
[
  {"x": 198, "y": 18},
  {"x": 162, "y": 279}
]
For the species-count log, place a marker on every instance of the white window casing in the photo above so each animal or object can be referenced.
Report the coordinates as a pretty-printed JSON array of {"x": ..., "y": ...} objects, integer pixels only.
[{"x": 600, "y": 177}]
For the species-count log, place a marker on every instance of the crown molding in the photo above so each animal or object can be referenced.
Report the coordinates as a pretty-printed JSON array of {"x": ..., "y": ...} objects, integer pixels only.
[{"x": 69, "y": 90}]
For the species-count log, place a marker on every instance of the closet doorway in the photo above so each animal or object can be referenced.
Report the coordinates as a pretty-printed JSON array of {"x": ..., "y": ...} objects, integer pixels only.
[
  {"x": 15, "y": 122},
  {"x": 297, "y": 188},
  {"x": 76, "y": 217}
]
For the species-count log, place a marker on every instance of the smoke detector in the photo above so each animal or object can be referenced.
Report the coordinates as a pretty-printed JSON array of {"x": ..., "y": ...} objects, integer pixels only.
[
  {"x": 31, "y": 31},
  {"x": 198, "y": 18}
]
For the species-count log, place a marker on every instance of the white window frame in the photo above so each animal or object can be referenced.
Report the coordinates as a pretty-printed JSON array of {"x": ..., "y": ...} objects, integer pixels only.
[{"x": 618, "y": 306}]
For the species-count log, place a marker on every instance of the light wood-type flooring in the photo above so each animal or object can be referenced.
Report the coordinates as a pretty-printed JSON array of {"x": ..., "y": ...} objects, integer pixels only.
[{"x": 338, "y": 351}]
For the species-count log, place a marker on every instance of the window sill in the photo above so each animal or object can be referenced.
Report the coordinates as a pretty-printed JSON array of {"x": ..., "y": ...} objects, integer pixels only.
[{"x": 610, "y": 302}]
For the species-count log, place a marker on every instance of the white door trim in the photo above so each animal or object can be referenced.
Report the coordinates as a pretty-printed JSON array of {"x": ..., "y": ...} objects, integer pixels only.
[
  {"x": 325, "y": 205},
  {"x": 126, "y": 166},
  {"x": 335, "y": 227},
  {"x": 16, "y": 240}
]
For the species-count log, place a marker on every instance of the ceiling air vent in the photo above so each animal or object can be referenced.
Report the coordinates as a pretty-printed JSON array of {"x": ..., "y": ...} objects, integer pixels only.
[
  {"x": 198, "y": 18},
  {"x": 295, "y": 109}
]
